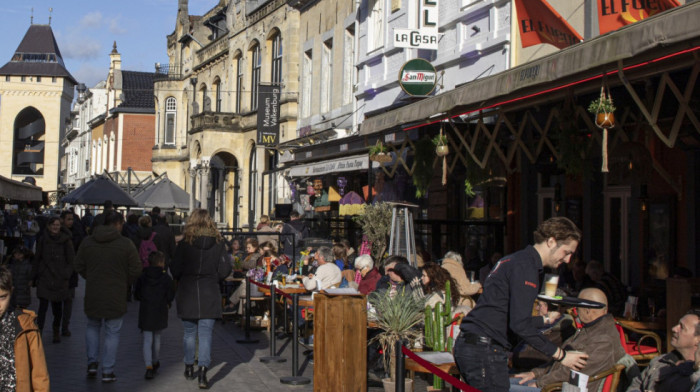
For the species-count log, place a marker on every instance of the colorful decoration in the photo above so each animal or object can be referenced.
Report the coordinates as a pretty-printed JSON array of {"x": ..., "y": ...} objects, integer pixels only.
[
  {"x": 342, "y": 183},
  {"x": 351, "y": 204}
]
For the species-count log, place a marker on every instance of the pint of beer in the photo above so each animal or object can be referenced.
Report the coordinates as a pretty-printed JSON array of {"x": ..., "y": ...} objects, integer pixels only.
[{"x": 551, "y": 281}]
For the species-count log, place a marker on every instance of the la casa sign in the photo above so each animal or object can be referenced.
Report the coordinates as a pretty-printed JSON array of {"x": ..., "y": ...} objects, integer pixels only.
[{"x": 426, "y": 35}]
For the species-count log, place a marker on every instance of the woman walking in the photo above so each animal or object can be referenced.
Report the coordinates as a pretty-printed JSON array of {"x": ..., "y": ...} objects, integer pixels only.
[
  {"x": 53, "y": 267},
  {"x": 200, "y": 263}
]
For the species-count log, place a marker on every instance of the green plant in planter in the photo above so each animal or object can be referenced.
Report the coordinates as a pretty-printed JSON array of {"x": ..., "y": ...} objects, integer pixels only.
[
  {"x": 375, "y": 222},
  {"x": 440, "y": 140},
  {"x": 398, "y": 318},
  {"x": 423, "y": 166},
  {"x": 603, "y": 104},
  {"x": 378, "y": 148},
  {"x": 437, "y": 318}
]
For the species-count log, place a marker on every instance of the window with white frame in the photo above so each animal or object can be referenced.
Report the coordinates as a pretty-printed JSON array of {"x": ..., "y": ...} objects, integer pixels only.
[
  {"x": 375, "y": 34},
  {"x": 276, "y": 76},
  {"x": 256, "y": 62},
  {"x": 307, "y": 78},
  {"x": 326, "y": 75},
  {"x": 348, "y": 65},
  {"x": 170, "y": 118}
]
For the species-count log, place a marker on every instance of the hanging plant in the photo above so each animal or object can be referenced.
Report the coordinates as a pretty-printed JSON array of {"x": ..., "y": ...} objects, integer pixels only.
[
  {"x": 441, "y": 147},
  {"x": 379, "y": 153},
  {"x": 603, "y": 108},
  {"x": 423, "y": 166}
]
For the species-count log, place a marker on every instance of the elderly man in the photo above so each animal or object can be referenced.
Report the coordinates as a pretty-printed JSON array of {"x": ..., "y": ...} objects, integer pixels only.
[
  {"x": 327, "y": 274},
  {"x": 598, "y": 338},
  {"x": 672, "y": 371}
]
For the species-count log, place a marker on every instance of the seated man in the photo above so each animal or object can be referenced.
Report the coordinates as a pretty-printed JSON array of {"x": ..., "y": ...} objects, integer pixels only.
[
  {"x": 327, "y": 274},
  {"x": 672, "y": 371},
  {"x": 598, "y": 338}
]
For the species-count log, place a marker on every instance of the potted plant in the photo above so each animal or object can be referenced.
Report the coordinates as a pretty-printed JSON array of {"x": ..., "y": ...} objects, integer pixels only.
[
  {"x": 603, "y": 109},
  {"x": 397, "y": 317},
  {"x": 375, "y": 222},
  {"x": 441, "y": 147},
  {"x": 379, "y": 153}
]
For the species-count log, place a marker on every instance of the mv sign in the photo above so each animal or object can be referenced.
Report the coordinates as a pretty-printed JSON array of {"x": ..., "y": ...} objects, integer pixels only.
[{"x": 426, "y": 36}]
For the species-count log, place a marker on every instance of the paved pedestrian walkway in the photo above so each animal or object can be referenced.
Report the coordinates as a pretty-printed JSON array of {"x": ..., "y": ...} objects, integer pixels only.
[{"x": 234, "y": 366}]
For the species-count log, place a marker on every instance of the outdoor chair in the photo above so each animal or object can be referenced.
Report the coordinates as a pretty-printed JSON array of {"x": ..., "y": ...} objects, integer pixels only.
[
  {"x": 641, "y": 353},
  {"x": 611, "y": 376}
]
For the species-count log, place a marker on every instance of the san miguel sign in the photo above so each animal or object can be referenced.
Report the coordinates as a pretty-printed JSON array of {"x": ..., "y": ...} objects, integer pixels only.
[
  {"x": 426, "y": 35},
  {"x": 268, "y": 115},
  {"x": 418, "y": 77}
]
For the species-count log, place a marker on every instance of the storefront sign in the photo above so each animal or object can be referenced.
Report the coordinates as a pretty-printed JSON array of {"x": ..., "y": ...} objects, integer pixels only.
[
  {"x": 268, "y": 115},
  {"x": 357, "y": 162},
  {"x": 425, "y": 35},
  {"x": 417, "y": 77}
]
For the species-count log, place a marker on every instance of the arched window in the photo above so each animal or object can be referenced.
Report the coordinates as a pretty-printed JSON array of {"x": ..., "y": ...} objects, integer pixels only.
[
  {"x": 276, "y": 76},
  {"x": 28, "y": 151},
  {"x": 170, "y": 118},
  {"x": 252, "y": 186},
  {"x": 239, "y": 82},
  {"x": 256, "y": 63},
  {"x": 217, "y": 95}
]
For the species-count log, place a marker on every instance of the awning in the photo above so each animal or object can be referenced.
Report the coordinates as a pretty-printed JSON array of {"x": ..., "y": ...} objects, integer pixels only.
[
  {"x": 20, "y": 191},
  {"x": 671, "y": 27},
  {"x": 355, "y": 162}
]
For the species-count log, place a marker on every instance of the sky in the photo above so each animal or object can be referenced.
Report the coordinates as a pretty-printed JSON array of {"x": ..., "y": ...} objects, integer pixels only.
[{"x": 86, "y": 29}]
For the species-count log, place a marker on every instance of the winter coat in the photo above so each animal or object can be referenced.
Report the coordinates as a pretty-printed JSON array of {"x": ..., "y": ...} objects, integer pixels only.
[
  {"x": 665, "y": 373},
  {"x": 251, "y": 261},
  {"x": 144, "y": 233},
  {"x": 108, "y": 262},
  {"x": 156, "y": 291},
  {"x": 53, "y": 265},
  {"x": 369, "y": 282},
  {"x": 466, "y": 288},
  {"x": 198, "y": 267},
  {"x": 30, "y": 362},
  {"x": 600, "y": 340},
  {"x": 168, "y": 240},
  {"x": 21, "y": 280}
]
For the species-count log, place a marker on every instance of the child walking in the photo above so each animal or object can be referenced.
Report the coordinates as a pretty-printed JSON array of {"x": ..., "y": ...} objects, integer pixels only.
[
  {"x": 155, "y": 290},
  {"x": 22, "y": 361}
]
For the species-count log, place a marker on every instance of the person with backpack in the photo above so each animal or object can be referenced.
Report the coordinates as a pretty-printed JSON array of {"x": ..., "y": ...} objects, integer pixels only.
[
  {"x": 156, "y": 291},
  {"x": 296, "y": 226},
  {"x": 149, "y": 240}
]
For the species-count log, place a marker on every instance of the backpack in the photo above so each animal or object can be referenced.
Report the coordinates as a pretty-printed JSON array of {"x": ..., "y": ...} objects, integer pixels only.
[{"x": 145, "y": 248}]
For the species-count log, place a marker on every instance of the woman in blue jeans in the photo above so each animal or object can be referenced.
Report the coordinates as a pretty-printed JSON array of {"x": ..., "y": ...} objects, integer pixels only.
[{"x": 200, "y": 263}]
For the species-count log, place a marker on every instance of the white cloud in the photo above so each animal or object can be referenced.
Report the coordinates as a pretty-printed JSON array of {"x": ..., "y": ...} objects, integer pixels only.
[
  {"x": 80, "y": 47},
  {"x": 115, "y": 27},
  {"x": 92, "y": 20}
]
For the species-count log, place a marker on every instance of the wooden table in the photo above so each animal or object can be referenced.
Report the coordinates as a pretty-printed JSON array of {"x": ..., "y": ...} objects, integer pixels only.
[
  {"x": 657, "y": 324},
  {"x": 286, "y": 290}
]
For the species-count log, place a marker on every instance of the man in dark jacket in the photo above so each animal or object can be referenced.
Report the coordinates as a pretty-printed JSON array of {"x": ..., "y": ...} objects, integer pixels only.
[
  {"x": 108, "y": 262},
  {"x": 598, "y": 338},
  {"x": 292, "y": 243}
]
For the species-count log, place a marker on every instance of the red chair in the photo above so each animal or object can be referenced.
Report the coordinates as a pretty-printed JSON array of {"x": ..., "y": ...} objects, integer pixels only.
[
  {"x": 641, "y": 353},
  {"x": 611, "y": 376}
]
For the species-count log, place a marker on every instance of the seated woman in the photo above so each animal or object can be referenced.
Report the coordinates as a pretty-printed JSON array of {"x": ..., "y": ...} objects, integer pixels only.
[
  {"x": 452, "y": 262},
  {"x": 434, "y": 279},
  {"x": 252, "y": 260},
  {"x": 370, "y": 275}
]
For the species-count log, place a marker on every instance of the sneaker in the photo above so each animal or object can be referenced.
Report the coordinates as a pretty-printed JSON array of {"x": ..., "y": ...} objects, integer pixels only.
[
  {"x": 109, "y": 377},
  {"x": 149, "y": 373},
  {"x": 92, "y": 370}
]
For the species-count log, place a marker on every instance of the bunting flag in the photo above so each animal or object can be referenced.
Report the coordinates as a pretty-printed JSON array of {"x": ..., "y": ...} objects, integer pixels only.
[
  {"x": 613, "y": 14},
  {"x": 539, "y": 23}
]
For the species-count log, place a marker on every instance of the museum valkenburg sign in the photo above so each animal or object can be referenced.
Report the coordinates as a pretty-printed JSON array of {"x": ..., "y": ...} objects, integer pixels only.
[
  {"x": 425, "y": 35},
  {"x": 417, "y": 77}
]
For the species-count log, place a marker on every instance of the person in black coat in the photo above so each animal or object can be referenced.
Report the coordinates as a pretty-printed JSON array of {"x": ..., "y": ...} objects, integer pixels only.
[
  {"x": 200, "y": 263},
  {"x": 53, "y": 267},
  {"x": 155, "y": 291},
  {"x": 21, "y": 267}
]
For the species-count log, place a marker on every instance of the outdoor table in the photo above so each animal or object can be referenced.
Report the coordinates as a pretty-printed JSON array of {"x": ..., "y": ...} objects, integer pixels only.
[
  {"x": 658, "y": 323},
  {"x": 572, "y": 302}
]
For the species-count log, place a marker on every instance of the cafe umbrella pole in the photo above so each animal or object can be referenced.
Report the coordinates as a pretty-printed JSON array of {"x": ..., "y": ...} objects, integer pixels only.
[
  {"x": 247, "y": 339},
  {"x": 294, "y": 379},
  {"x": 273, "y": 349}
]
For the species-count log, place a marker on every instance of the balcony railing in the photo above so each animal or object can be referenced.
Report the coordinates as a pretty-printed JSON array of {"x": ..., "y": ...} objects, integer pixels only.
[
  {"x": 217, "y": 121},
  {"x": 167, "y": 72}
]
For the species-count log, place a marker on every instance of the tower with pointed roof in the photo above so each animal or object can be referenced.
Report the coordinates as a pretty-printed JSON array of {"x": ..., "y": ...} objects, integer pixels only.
[{"x": 36, "y": 91}]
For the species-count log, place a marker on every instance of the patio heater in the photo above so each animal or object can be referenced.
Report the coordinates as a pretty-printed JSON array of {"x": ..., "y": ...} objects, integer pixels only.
[{"x": 402, "y": 241}]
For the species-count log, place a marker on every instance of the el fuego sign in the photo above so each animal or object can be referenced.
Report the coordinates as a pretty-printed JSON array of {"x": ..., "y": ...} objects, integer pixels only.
[{"x": 417, "y": 77}]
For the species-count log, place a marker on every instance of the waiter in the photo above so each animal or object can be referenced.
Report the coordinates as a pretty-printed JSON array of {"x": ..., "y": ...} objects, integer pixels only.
[{"x": 481, "y": 350}]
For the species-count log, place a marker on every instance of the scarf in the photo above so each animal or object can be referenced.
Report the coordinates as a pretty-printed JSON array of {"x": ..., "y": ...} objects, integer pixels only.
[{"x": 8, "y": 377}]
